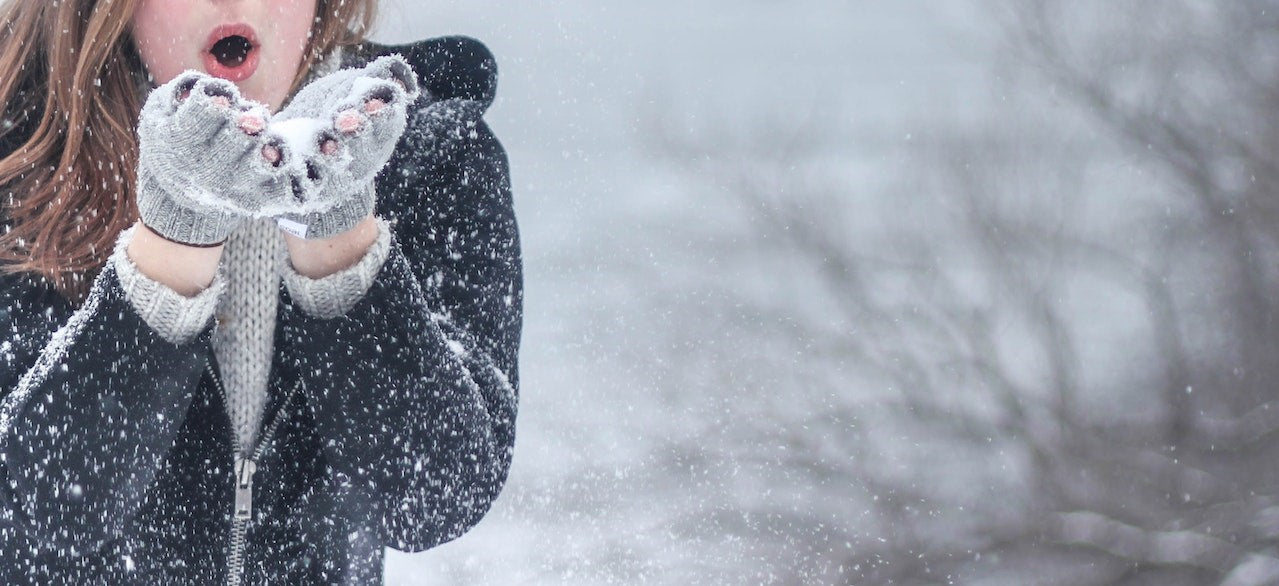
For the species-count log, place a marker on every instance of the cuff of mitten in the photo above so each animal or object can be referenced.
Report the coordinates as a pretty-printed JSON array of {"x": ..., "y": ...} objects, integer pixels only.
[
  {"x": 334, "y": 295},
  {"x": 338, "y": 219},
  {"x": 180, "y": 223},
  {"x": 176, "y": 318}
]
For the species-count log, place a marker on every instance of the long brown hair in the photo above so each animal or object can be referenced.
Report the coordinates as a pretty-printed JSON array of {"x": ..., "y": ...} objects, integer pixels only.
[{"x": 71, "y": 78}]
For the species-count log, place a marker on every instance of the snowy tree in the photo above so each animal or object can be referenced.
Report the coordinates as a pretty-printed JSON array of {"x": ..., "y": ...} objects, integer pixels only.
[{"x": 1045, "y": 351}]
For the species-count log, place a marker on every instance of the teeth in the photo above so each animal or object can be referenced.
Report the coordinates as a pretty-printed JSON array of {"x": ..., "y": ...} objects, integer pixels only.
[{"x": 231, "y": 51}]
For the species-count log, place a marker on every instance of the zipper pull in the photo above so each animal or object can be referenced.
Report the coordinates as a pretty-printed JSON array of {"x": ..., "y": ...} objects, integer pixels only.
[{"x": 244, "y": 469}]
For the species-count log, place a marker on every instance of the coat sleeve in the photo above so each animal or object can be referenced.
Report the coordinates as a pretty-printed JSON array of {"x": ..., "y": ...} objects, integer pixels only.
[
  {"x": 92, "y": 400},
  {"x": 415, "y": 388}
]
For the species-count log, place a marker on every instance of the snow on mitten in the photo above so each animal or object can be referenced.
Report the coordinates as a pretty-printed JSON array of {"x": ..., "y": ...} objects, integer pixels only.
[
  {"x": 338, "y": 132},
  {"x": 201, "y": 167}
]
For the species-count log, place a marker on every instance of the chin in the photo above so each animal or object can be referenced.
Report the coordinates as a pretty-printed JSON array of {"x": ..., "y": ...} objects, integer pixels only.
[{"x": 260, "y": 88}]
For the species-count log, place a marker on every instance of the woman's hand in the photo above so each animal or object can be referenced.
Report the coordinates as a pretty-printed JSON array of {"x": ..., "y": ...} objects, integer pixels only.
[
  {"x": 209, "y": 157},
  {"x": 338, "y": 132},
  {"x": 204, "y": 161}
]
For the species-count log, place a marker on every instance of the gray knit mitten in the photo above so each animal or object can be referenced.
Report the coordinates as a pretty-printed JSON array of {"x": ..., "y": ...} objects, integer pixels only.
[
  {"x": 338, "y": 132},
  {"x": 201, "y": 167}
]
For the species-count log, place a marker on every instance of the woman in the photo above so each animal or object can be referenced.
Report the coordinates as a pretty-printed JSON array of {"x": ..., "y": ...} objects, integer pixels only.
[{"x": 220, "y": 400}]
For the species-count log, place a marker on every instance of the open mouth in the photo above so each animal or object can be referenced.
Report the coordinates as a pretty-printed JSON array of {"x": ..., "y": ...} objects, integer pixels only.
[{"x": 231, "y": 52}]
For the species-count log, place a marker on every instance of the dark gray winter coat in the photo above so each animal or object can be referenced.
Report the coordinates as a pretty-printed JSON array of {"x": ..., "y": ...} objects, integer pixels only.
[{"x": 116, "y": 449}]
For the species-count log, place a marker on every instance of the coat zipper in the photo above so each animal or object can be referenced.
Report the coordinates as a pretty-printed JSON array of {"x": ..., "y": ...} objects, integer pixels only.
[{"x": 242, "y": 478}]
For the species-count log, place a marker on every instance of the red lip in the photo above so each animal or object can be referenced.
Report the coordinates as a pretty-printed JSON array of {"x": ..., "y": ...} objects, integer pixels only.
[{"x": 240, "y": 72}]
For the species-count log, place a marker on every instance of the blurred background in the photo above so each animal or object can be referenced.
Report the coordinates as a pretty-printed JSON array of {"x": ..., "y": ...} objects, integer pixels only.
[{"x": 854, "y": 292}]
